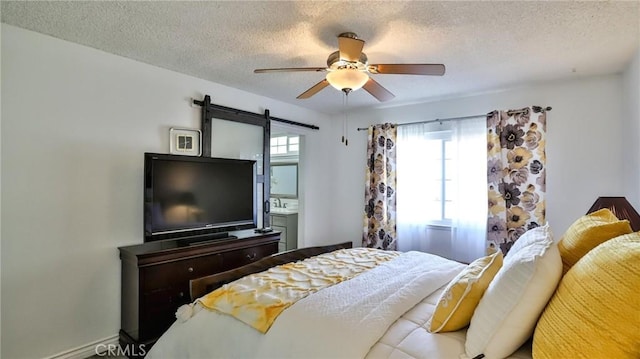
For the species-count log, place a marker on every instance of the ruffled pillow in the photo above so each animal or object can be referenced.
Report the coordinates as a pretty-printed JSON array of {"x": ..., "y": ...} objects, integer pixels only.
[
  {"x": 509, "y": 309},
  {"x": 460, "y": 298}
]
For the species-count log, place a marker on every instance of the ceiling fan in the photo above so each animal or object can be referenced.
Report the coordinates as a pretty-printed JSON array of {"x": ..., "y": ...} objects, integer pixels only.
[{"x": 348, "y": 69}]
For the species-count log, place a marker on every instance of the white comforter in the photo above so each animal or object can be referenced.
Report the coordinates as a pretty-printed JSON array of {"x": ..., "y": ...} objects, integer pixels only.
[{"x": 342, "y": 321}]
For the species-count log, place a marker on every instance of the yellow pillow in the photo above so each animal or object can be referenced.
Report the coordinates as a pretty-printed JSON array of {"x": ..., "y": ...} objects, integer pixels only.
[
  {"x": 460, "y": 298},
  {"x": 595, "y": 311},
  {"x": 588, "y": 232}
]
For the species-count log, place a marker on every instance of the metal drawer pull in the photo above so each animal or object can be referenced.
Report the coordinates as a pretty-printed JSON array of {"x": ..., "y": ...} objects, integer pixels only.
[
  {"x": 190, "y": 269},
  {"x": 181, "y": 294},
  {"x": 251, "y": 256}
]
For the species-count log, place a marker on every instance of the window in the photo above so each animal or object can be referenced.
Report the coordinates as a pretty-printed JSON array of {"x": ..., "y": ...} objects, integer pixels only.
[
  {"x": 282, "y": 145},
  {"x": 441, "y": 188},
  {"x": 439, "y": 158},
  {"x": 425, "y": 189}
]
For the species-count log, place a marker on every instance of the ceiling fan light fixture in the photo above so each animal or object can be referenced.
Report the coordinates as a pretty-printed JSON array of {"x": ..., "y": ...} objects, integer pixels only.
[
  {"x": 347, "y": 78},
  {"x": 348, "y": 69}
]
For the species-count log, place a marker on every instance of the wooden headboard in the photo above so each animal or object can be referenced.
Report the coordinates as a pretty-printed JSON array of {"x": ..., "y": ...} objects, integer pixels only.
[{"x": 201, "y": 286}]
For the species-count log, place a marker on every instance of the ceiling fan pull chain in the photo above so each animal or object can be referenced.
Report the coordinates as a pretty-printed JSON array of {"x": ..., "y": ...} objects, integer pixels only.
[
  {"x": 344, "y": 115},
  {"x": 346, "y": 118}
]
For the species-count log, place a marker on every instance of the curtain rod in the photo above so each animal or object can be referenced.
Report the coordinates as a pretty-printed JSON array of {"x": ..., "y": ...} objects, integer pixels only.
[
  {"x": 441, "y": 120},
  {"x": 432, "y": 121}
]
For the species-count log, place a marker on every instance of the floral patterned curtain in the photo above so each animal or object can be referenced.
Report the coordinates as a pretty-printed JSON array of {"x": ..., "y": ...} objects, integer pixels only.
[
  {"x": 516, "y": 174},
  {"x": 380, "y": 188}
]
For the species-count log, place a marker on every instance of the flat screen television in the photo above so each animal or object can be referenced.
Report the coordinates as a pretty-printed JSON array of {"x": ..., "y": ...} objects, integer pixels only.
[{"x": 197, "y": 198}]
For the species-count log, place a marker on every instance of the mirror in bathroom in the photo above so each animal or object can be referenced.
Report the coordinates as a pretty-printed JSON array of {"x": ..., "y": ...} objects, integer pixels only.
[{"x": 284, "y": 180}]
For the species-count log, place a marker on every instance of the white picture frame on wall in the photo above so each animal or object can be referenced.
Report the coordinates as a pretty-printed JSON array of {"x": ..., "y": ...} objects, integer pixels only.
[{"x": 185, "y": 141}]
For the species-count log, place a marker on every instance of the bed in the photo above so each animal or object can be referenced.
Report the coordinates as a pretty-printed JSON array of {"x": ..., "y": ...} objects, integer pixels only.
[{"x": 386, "y": 311}]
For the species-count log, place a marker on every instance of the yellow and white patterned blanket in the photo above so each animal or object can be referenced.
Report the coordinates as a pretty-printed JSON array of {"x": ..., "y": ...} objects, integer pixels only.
[
  {"x": 259, "y": 298},
  {"x": 340, "y": 321}
]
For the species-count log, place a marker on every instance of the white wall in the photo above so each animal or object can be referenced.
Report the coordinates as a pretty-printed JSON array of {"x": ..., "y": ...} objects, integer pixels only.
[
  {"x": 631, "y": 130},
  {"x": 584, "y": 147},
  {"x": 76, "y": 122},
  {"x": 0, "y": 200}
]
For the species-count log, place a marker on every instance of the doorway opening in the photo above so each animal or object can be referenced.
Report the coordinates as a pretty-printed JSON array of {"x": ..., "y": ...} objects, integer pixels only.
[{"x": 287, "y": 193}]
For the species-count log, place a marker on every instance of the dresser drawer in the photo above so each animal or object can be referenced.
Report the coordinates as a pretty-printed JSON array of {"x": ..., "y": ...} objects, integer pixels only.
[
  {"x": 162, "y": 276},
  {"x": 157, "y": 312},
  {"x": 234, "y": 259}
]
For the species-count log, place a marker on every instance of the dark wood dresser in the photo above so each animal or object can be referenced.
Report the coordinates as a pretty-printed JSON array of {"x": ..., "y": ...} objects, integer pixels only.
[{"x": 155, "y": 277}]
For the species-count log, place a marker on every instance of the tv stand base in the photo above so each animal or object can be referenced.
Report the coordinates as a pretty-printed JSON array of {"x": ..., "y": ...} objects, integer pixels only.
[{"x": 197, "y": 242}]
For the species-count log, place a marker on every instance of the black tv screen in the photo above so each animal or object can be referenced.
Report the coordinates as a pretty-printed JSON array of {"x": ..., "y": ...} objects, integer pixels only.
[{"x": 189, "y": 197}]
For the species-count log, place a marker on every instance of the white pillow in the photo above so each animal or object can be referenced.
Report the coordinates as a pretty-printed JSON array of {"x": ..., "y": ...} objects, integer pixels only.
[
  {"x": 509, "y": 309},
  {"x": 529, "y": 237}
]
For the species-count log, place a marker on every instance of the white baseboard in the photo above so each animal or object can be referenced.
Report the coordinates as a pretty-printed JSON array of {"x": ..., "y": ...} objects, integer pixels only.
[{"x": 87, "y": 350}]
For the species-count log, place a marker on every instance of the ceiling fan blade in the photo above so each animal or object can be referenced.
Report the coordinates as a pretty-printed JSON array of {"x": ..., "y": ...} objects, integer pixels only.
[
  {"x": 376, "y": 90},
  {"x": 350, "y": 48},
  {"x": 408, "y": 69},
  {"x": 290, "y": 69},
  {"x": 314, "y": 89}
]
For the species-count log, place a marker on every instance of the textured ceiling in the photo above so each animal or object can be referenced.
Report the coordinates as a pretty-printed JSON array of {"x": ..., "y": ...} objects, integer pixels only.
[{"x": 485, "y": 45}]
